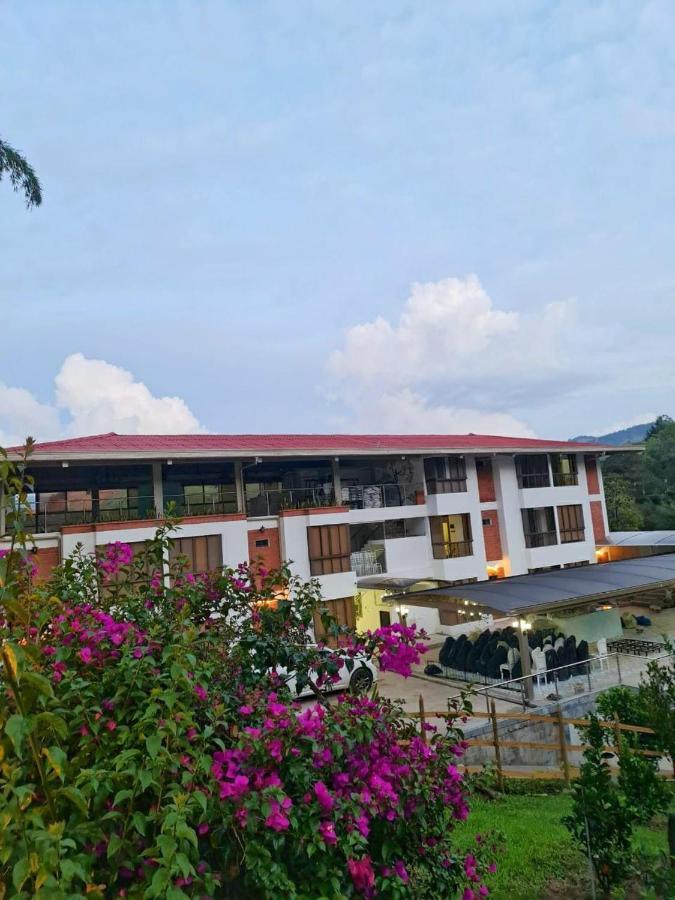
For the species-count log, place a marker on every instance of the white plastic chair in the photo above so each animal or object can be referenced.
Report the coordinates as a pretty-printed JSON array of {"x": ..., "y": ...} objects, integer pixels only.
[
  {"x": 538, "y": 667},
  {"x": 512, "y": 658},
  {"x": 603, "y": 661}
]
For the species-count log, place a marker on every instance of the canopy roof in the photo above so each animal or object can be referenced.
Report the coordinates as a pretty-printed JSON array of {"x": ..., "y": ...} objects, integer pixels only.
[
  {"x": 642, "y": 538},
  {"x": 531, "y": 593}
]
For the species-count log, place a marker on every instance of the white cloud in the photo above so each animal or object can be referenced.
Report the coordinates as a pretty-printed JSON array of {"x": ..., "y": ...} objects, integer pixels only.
[
  {"x": 454, "y": 361},
  {"x": 407, "y": 412},
  {"x": 92, "y": 396}
]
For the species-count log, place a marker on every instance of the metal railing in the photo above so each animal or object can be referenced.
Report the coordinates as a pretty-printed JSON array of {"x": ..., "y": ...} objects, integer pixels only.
[
  {"x": 452, "y": 549},
  {"x": 378, "y": 496},
  {"x": 268, "y": 503},
  {"x": 125, "y": 510},
  {"x": 540, "y": 539},
  {"x": 565, "y": 479},
  {"x": 536, "y": 480},
  {"x": 572, "y": 535},
  {"x": 446, "y": 485}
]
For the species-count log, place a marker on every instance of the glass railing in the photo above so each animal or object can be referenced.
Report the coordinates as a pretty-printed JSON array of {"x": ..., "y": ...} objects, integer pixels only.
[
  {"x": 379, "y": 496},
  {"x": 142, "y": 507},
  {"x": 565, "y": 479},
  {"x": 269, "y": 503},
  {"x": 446, "y": 485},
  {"x": 537, "y": 480}
]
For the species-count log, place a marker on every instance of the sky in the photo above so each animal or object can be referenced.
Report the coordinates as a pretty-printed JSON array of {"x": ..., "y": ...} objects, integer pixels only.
[{"x": 330, "y": 215}]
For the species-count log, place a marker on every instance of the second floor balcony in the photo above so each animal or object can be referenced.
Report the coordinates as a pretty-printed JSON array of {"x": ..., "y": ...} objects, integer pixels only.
[{"x": 382, "y": 496}]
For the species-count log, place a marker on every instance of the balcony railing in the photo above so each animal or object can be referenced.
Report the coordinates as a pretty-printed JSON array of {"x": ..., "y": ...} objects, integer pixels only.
[
  {"x": 142, "y": 507},
  {"x": 452, "y": 549},
  {"x": 446, "y": 485},
  {"x": 379, "y": 496},
  {"x": 565, "y": 479},
  {"x": 268, "y": 503},
  {"x": 572, "y": 535},
  {"x": 540, "y": 539},
  {"x": 369, "y": 561},
  {"x": 537, "y": 480}
]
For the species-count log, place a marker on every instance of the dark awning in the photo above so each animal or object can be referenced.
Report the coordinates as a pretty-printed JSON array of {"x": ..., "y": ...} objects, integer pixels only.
[{"x": 529, "y": 593}]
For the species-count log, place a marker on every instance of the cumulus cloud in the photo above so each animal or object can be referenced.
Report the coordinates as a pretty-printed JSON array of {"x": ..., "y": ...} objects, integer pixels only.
[
  {"x": 92, "y": 396},
  {"x": 453, "y": 361}
]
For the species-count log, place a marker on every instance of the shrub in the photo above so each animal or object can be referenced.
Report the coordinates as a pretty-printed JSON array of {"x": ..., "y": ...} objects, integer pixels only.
[{"x": 150, "y": 745}]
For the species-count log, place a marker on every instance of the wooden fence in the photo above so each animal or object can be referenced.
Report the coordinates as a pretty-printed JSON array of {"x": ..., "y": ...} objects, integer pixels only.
[{"x": 566, "y": 771}]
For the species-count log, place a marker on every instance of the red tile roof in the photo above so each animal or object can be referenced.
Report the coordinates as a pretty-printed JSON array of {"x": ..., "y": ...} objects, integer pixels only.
[{"x": 131, "y": 445}]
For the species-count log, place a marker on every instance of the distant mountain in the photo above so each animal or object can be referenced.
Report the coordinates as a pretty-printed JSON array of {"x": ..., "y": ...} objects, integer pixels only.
[{"x": 633, "y": 435}]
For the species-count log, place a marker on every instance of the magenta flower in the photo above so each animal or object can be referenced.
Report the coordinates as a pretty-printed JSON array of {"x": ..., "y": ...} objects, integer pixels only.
[
  {"x": 323, "y": 795},
  {"x": 200, "y": 692},
  {"x": 86, "y": 655},
  {"x": 362, "y": 874},
  {"x": 327, "y": 832},
  {"x": 277, "y": 820},
  {"x": 202, "y": 828}
]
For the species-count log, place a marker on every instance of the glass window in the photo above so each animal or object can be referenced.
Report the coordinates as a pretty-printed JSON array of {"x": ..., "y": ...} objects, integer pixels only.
[
  {"x": 539, "y": 526},
  {"x": 571, "y": 524},
  {"x": 564, "y": 468},
  {"x": 532, "y": 470}
]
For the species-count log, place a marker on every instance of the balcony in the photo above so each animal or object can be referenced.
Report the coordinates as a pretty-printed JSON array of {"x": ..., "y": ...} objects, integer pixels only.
[
  {"x": 540, "y": 539},
  {"x": 534, "y": 480},
  {"x": 452, "y": 549},
  {"x": 269, "y": 503},
  {"x": 89, "y": 512},
  {"x": 565, "y": 479},
  {"x": 382, "y": 496}
]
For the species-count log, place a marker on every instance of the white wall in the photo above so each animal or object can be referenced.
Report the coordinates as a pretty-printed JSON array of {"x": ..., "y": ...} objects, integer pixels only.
[{"x": 294, "y": 547}]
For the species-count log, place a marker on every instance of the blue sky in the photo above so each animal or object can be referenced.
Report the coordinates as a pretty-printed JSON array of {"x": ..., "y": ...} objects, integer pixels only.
[{"x": 240, "y": 198}]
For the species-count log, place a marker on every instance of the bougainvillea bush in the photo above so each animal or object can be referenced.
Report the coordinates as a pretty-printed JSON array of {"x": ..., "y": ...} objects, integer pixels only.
[{"x": 148, "y": 747}]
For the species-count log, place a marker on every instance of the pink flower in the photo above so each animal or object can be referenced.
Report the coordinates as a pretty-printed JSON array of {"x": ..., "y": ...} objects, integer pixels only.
[
  {"x": 362, "y": 874},
  {"x": 323, "y": 795},
  {"x": 241, "y": 817},
  {"x": 200, "y": 692},
  {"x": 277, "y": 820},
  {"x": 111, "y": 725},
  {"x": 203, "y": 828},
  {"x": 327, "y": 832},
  {"x": 246, "y": 710},
  {"x": 86, "y": 655},
  {"x": 401, "y": 871},
  {"x": 49, "y": 651}
]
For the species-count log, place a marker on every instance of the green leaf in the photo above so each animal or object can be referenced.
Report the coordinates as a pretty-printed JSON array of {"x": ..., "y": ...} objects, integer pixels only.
[
  {"x": 57, "y": 760},
  {"x": 51, "y": 720},
  {"x": 16, "y": 729},
  {"x": 139, "y": 822},
  {"x": 122, "y": 795},
  {"x": 39, "y": 682},
  {"x": 75, "y": 796},
  {"x": 145, "y": 778},
  {"x": 153, "y": 743},
  {"x": 20, "y": 872}
]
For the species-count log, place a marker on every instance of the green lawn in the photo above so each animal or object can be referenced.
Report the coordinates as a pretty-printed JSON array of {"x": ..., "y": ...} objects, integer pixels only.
[{"x": 538, "y": 849}]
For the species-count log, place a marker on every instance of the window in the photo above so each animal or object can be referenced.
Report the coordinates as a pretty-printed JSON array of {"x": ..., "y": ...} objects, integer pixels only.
[
  {"x": 571, "y": 524},
  {"x": 328, "y": 549},
  {"x": 262, "y": 543},
  {"x": 576, "y": 565},
  {"x": 539, "y": 526},
  {"x": 532, "y": 470},
  {"x": 385, "y": 618},
  {"x": 540, "y": 569},
  {"x": 445, "y": 474},
  {"x": 451, "y": 536},
  {"x": 204, "y": 553},
  {"x": 208, "y": 499},
  {"x": 399, "y": 528},
  {"x": 487, "y": 521},
  {"x": 564, "y": 467}
]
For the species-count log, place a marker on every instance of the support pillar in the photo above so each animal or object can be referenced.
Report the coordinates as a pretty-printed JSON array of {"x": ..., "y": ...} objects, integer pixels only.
[
  {"x": 524, "y": 648},
  {"x": 158, "y": 489},
  {"x": 239, "y": 486},
  {"x": 337, "y": 484}
]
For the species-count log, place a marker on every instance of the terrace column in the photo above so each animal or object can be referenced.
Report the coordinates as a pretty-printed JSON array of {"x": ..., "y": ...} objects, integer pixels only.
[
  {"x": 158, "y": 489},
  {"x": 239, "y": 486},
  {"x": 524, "y": 647},
  {"x": 337, "y": 486}
]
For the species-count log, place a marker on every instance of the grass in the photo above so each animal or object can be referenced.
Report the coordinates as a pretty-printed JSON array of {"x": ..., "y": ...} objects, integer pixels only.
[{"x": 538, "y": 850}]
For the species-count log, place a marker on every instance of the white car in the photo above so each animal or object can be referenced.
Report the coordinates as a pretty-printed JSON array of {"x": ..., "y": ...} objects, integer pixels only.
[{"x": 360, "y": 679}]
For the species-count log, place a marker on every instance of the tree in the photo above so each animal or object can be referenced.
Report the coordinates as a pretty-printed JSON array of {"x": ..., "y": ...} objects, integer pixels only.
[
  {"x": 622, "y": 509},
  {"x": 20, "y": 173}
]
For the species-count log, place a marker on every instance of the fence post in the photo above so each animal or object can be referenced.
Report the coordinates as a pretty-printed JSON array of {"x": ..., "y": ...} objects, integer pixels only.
[
  {"x": 498, "y": 754},
  {"x": 618, "y": 668},
  {"x": 588, "y": 676},
  {"x": 563, "y": 747},
  {"x": 617, "y": 733},
  {"x": 423, "y": 731}
]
